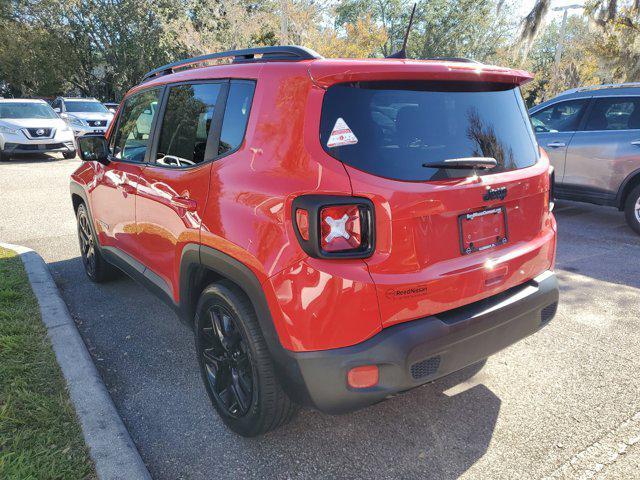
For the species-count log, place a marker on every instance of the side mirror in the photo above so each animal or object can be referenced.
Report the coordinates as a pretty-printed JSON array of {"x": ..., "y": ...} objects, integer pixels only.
[
  {"x": 112, "y": 110},
  {"x": 93, "y": 148},
  {"x": 57, "y": 110}
]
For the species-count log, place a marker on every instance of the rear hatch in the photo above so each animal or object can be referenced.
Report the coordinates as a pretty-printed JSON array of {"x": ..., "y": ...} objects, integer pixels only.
[{"x": 445, "y": 237}]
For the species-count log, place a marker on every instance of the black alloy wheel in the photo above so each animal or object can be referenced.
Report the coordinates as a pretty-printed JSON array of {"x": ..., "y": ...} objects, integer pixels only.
[
  {"x": 227, "y": 361},
  {"x": 87, "y": 243},
  {"x": 96, "y": 267},
  {"x": 235, "y": 364}
]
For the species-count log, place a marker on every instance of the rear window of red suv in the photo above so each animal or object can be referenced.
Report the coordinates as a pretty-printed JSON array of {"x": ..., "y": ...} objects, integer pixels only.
[{"x": 392, "y": 129}]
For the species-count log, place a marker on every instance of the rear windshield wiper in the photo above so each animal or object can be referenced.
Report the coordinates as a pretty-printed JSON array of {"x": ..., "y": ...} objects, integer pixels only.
[{"x": 464, "y": 163}]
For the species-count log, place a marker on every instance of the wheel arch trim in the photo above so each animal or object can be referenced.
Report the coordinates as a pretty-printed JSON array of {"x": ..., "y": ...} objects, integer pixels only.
[
  {"x": 196, "y": 257},
  {"x": 626, "y": 186},
  {"x": 77, "y": 191}
]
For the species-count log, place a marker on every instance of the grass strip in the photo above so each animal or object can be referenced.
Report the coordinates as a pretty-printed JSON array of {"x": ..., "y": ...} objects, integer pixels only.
[{"x": 40, "y": 437}]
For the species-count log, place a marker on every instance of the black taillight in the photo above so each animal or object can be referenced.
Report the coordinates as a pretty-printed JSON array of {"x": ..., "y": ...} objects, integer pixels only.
[{"x": 333, "y": 226}]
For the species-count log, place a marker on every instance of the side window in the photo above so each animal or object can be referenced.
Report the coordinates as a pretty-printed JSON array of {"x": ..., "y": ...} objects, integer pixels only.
[
  {"x": 56, "y": 103},
  {"x": 185, "y": 127},
  {"x": 561, "y": 117},
  {"x": 134, "y": 127},
  {"x": 236, "y": 115},
  {"x": 617, "y": 113}
]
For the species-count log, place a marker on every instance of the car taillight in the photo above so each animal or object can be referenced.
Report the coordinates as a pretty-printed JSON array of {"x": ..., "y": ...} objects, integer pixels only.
[
  {"x": 302, "y": 221},
  {"x": 340, "y": 228},
  {"x": 334, "y": 227}
]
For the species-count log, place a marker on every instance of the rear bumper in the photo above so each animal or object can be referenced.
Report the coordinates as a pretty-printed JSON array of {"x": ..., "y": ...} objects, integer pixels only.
[{"x": 413, "y": 353}]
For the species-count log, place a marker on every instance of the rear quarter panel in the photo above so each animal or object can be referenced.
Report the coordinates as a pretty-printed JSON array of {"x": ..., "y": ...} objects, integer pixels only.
[{"x": 314, "y": 304}]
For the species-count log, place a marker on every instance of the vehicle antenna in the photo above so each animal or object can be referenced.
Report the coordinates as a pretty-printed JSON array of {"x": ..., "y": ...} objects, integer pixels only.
[{"x": 402, "y": 53}]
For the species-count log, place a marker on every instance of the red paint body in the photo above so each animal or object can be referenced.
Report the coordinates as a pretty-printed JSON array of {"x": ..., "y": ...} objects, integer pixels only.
[{"x": 241, "y": 205}]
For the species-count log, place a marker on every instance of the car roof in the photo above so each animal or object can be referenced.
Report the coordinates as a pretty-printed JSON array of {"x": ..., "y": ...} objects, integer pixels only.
[
  {"x": 79, "y": 99},
  {"x": 294, "y": 60},
  {"x": 596, "y": 91},
  {"x": 329, "y": 71},
  {"x": 605, "y": 89},
  {"x": 21, "y": 100}
]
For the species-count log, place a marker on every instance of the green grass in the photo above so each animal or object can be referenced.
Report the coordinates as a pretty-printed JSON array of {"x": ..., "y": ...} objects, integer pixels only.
[{"x": 40, "y": 437}]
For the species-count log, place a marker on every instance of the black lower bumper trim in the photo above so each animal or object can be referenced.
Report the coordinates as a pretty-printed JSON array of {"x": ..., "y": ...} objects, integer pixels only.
[
  {"x": 413, "y": 353},
  {"x": 20, "y": 148}
]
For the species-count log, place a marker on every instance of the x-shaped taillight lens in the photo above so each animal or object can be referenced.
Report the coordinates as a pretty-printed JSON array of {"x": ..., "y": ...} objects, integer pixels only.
[{"x": 340, "y": 228}]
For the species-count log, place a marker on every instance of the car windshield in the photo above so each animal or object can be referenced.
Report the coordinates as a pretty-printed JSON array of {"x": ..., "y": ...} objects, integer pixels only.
[
  {"x": 26, "y": 110},
  {"x": 82, "y": 106},
  {"x": 396, "y": 129}
]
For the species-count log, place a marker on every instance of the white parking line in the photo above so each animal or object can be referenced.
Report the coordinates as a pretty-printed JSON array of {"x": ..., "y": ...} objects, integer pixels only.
[{"x": 593, "y": 460}]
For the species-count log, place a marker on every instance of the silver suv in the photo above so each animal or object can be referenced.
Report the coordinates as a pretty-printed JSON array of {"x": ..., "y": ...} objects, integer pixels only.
[
  {"x": 592, "y": 136},
  {"x": 84, "y": 115}
]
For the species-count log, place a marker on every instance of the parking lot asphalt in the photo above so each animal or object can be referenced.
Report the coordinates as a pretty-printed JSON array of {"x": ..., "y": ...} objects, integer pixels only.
[{"x": 563, "y": 403}]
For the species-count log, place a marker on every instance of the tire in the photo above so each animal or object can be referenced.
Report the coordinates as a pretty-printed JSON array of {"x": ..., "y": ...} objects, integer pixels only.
[
  {"x": 4, "y": 157},
  {"x": 231, "y": 353},
  {"x": 69, "y": 155},
  {"x": 632, "y": 209},
  {"x": 95, "y": 266}
]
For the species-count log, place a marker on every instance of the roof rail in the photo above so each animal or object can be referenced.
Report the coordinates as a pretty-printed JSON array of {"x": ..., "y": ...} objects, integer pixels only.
[
  {"x": 452, "y": 59},
  {"x": 291, "y": 53},
  {"x": 604, "y": 86}
]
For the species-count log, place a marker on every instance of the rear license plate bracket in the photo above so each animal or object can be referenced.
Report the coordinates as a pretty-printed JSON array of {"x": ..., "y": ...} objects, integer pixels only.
[{"x": 483, "y": 230}]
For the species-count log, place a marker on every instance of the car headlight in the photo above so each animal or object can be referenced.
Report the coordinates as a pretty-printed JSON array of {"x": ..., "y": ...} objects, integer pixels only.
[
  {"x": 76, "y": 122},
  {"x": 8, "y": 130}
]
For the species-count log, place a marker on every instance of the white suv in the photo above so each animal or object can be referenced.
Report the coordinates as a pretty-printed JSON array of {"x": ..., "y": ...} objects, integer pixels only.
[
  {"x": 31, "y": 126},
  {"x": 84, "y": 115}
]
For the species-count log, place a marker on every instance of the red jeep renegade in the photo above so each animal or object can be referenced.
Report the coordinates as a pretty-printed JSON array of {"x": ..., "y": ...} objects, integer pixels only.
[{"x": 335, "y": 231}]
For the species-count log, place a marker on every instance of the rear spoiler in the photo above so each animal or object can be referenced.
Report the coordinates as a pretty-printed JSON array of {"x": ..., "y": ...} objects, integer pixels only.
[{"x": 325, "y": 73}]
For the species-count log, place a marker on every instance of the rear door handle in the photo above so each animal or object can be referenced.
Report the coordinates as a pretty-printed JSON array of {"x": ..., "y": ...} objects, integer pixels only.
[
  {"x": 556, "y": 144},
  {"x": 636, "y": 142},
  {"x": 184, "y": 202}
]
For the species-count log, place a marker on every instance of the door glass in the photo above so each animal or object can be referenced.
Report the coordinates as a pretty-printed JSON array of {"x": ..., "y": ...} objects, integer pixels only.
[
  {"x": 186, "y": 124},
  {"x": 236, "y": 115},
  {"x": 561, "y": 117},
  {"x": 621, "y": 113},
  {"x": 132, "y": 138}
]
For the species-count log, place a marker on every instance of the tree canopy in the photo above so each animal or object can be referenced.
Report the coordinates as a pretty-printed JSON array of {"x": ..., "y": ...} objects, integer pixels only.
[{"x": 103, "y": 47}]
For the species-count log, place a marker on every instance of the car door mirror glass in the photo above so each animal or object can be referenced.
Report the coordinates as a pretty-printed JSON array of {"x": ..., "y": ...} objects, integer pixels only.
[{"x": 94, "y": 148}]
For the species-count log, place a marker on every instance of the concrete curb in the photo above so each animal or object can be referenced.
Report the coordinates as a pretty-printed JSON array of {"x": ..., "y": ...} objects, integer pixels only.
[{"x": 110, "y": 445}]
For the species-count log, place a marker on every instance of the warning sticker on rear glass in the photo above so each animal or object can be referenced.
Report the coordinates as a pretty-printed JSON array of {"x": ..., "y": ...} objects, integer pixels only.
[{"x": 341, "y": 135}]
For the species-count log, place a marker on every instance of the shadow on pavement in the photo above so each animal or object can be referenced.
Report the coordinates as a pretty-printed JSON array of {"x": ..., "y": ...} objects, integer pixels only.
[
  {"x": 437, "y": 434},
  {"x": 596, "y": 242},
  {"x": 146, "y": 358}
]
